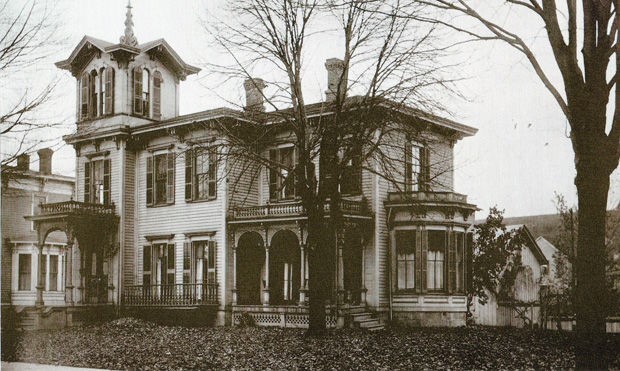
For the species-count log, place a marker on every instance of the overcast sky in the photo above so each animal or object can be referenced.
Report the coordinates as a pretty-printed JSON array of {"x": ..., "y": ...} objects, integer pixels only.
[{"x": 519, "y": 158}]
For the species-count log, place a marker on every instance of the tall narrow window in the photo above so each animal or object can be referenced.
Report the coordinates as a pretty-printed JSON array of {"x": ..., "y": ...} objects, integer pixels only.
[
  {"x": 160, "y": 179},
  {"x": 188, "y": 258},
  {"x": 25, "y": 272},
  {"x": 93, "y": 88},
  {"x": 108, "y": 108},
  {"x": 141, "y": 88},
  {"x": 412, "y": 167},
  {"x": 200, "y": 174},
  {"x": 351, "y": 179},
  {"x": 157, "y": 81},
  {"x": 211, "y": 256},
  {"x": 97, "y": 181},
  {"x": 460, "y": 262},
  {"x": 405, "y": 259},
  {"x": 84, "y": 95},
  {"x": 281, "y": 173},
  {"x": 53, "y": 278},
  {"x": 435, "y": 260}
]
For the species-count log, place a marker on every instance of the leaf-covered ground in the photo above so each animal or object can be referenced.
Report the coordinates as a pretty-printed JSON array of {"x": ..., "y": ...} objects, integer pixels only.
[{"x": 134, "y": 344}]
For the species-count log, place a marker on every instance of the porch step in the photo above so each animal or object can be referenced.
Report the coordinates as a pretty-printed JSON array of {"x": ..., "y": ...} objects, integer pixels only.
[{"x": 366, "y": 320}]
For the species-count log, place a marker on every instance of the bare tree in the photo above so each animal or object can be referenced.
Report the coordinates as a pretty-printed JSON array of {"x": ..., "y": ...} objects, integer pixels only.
[
  {"x": 28, "y": 36},
  {"x": 389, "y": 70},
  {"x": 583, "y": 97}
]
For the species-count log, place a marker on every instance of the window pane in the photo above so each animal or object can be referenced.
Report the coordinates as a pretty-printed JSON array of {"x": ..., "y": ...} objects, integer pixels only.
[
  {"x": 460, "y": 260},
  {"x": 161, "y": 178},
  {"x": 146, "y": 259},
  {"x": 405, "y": 249},
  {"x": 170, "y": 256},
  {"x": 53, "y": 273},
  {"x": 402, "y": 275},
  {"x": 186, "y": 257},
  {"x": 202, "y": 175},
  {"x": 25, "y": 272},
  {"x": 410, "y": 274}
]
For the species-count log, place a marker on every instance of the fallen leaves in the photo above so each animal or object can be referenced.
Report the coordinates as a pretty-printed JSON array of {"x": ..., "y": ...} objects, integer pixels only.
[{"x": 129, "y": 343}]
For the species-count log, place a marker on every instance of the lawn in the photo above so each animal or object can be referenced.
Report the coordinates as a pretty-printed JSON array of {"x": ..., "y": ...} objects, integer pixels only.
[{"x": 133, "y": 344}]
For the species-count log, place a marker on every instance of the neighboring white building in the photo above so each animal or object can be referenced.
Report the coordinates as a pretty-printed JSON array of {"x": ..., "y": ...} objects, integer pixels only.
[{"x": 173, "y": 232}]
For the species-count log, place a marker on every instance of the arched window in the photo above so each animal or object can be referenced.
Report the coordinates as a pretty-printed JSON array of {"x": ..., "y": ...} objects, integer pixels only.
[
  {"x": 141, "y": 89},
  {"x": 84, "y": 96},
  {"x": 94, "y": 91},
  {"x": 157, "y": 81}
]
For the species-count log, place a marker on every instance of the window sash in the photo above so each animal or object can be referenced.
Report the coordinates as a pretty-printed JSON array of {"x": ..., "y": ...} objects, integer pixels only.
[
  {"x": 53, "y": 275},
  {"x": 24, "y": 272},
  {"x": 281, "y": 173},
  {"x": 406, "y": 245},
  {"x": 160, "y": 179}
]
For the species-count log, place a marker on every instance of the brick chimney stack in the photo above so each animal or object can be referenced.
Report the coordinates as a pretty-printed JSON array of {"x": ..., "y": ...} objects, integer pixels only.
[
  {"x": 254, "y": 94},
  {"x": 45, "y": 161},
  {"x": 335, "y": 70},
  {"x": 23, "y": 162}
]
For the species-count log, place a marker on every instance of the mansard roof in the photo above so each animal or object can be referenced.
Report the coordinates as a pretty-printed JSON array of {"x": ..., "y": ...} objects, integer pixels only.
[{"x": 89, "y": 46}]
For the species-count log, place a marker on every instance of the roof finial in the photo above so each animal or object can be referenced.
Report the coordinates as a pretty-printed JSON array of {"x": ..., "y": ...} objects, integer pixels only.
[{"x": 129, "y": 38}]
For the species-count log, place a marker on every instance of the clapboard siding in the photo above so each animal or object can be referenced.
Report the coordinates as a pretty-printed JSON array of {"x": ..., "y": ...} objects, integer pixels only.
[
  {"x": 244, "y": 180},
  {"x": 181, "y": 217}
]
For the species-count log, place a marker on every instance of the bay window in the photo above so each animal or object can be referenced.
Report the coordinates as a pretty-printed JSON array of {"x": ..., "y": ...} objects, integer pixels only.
[
  {"x": 25, "y": 272},
  {"x": 435, "y": 260},
  {"x": 405, "y": 258}
]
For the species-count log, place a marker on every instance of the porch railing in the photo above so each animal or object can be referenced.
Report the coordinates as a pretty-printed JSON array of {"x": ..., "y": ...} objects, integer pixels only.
[
  {"x": 347, "y": 207},
  {"x": 67, "y": 207},
  {"x": 181, "y": 294}
]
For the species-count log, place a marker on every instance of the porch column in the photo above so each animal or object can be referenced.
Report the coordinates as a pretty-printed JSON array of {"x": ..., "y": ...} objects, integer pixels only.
[
  {"x": 340, "y": 269},
  {"x": 266, "y": 289},
  {"x": 302, "y": 266},
  {"x": 69, "y": 273},
  {"x": 363, "y": 289},
  {"x": 234, "y": 272},
  {"x": 40, "y": 278}
]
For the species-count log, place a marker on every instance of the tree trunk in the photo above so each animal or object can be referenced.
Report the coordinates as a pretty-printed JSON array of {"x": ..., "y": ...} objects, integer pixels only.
[
  {"x": 591, "y": 297},
  {"x": 318, "y": 274}
]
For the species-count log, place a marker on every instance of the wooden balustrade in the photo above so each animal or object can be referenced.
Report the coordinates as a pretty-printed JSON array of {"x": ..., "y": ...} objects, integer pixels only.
[
  {"x": 181, "y": 294},
  {"x": 347, "y": 207},
  {"x": 68, "y": 207}
]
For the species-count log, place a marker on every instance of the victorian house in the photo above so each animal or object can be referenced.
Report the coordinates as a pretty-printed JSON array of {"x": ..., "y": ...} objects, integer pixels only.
[{"x": 157, "y": 224}]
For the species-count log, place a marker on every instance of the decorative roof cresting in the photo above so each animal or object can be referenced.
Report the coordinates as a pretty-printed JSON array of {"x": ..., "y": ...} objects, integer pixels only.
[{"x": 129, "y": 38}]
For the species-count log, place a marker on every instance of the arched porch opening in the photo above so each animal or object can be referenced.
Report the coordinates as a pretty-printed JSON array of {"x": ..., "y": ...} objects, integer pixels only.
[
  {"x": 250, "y": 262},
  {"x": 284, "y": 268}
]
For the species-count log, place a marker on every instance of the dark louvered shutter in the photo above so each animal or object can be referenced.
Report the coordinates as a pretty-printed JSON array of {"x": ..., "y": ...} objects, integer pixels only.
[
  {"x": 137, "y": 91},
  {"x": 84, "y": 96},
  {"x": 424, "y": 259},
  {"x": 273, "y": 174},
  {"x": 87, "y": 182},
  {"x": 189, "y": 174},
  {"x": 157, "y": 80},
  {"x": 109, "y": 90},
  {"x": 106, "y": 181},
  {"x": 149, "y": 180},
  {"x": 170, "y": 178},
  {"x": 212, "y": 173},
  {"x": 425, "y": 176},
  {"x": 408, "y": 168},
  {"x": 451, "y": 261}
]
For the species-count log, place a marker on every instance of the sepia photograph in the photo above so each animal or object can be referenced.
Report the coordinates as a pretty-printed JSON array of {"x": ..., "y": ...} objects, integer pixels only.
[{"x": 310, "y": 184}]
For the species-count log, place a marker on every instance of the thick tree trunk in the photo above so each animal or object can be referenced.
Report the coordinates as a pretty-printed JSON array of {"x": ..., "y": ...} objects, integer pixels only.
[
  {"x": 591, "y": 299},
  {"x": 318, "y": 275}
]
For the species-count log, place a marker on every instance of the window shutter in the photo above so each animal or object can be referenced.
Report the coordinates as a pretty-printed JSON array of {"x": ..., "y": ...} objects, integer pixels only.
[
  {"x": 424, "y": 259},
  {"x": 469, "y": 269},
  {"x": 189, "y": 174},
  {"x": 170, "y": 178},
  {"x": 149, "y": 180},
  {"x": 92, "y": 95},
  {"x": 273, "y": 174},
  {"x": 87, "y": 182},
  {"x": 106, "y": 181},
  {"x": 109, "y": 90},
  {"x": 418, "y": 263},
  {"x": 212, "y": 173},
  {"x": 451, "y": 261},
  {"x": 157, "y": 80},
  {"x": 425, "y": 176},
  {"x": 137, "y": 91},
  {"x": 212, "y": 258},
  {"x": 84, "y": 96},
  {"x": 408, "y": 171}
]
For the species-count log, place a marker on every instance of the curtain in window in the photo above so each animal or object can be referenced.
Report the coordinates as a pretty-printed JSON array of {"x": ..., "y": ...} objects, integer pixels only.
[
  {"x": 405, "y": 258},
  {"x": 435, "y": 260}
]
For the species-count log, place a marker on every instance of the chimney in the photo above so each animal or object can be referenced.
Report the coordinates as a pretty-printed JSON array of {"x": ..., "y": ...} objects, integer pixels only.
[
  {"x": 23, "y": 162},
  {"x": 335, "y": 69},
  {"x": 254, "y": 94},
  {"x": 45, "y": 161}
]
